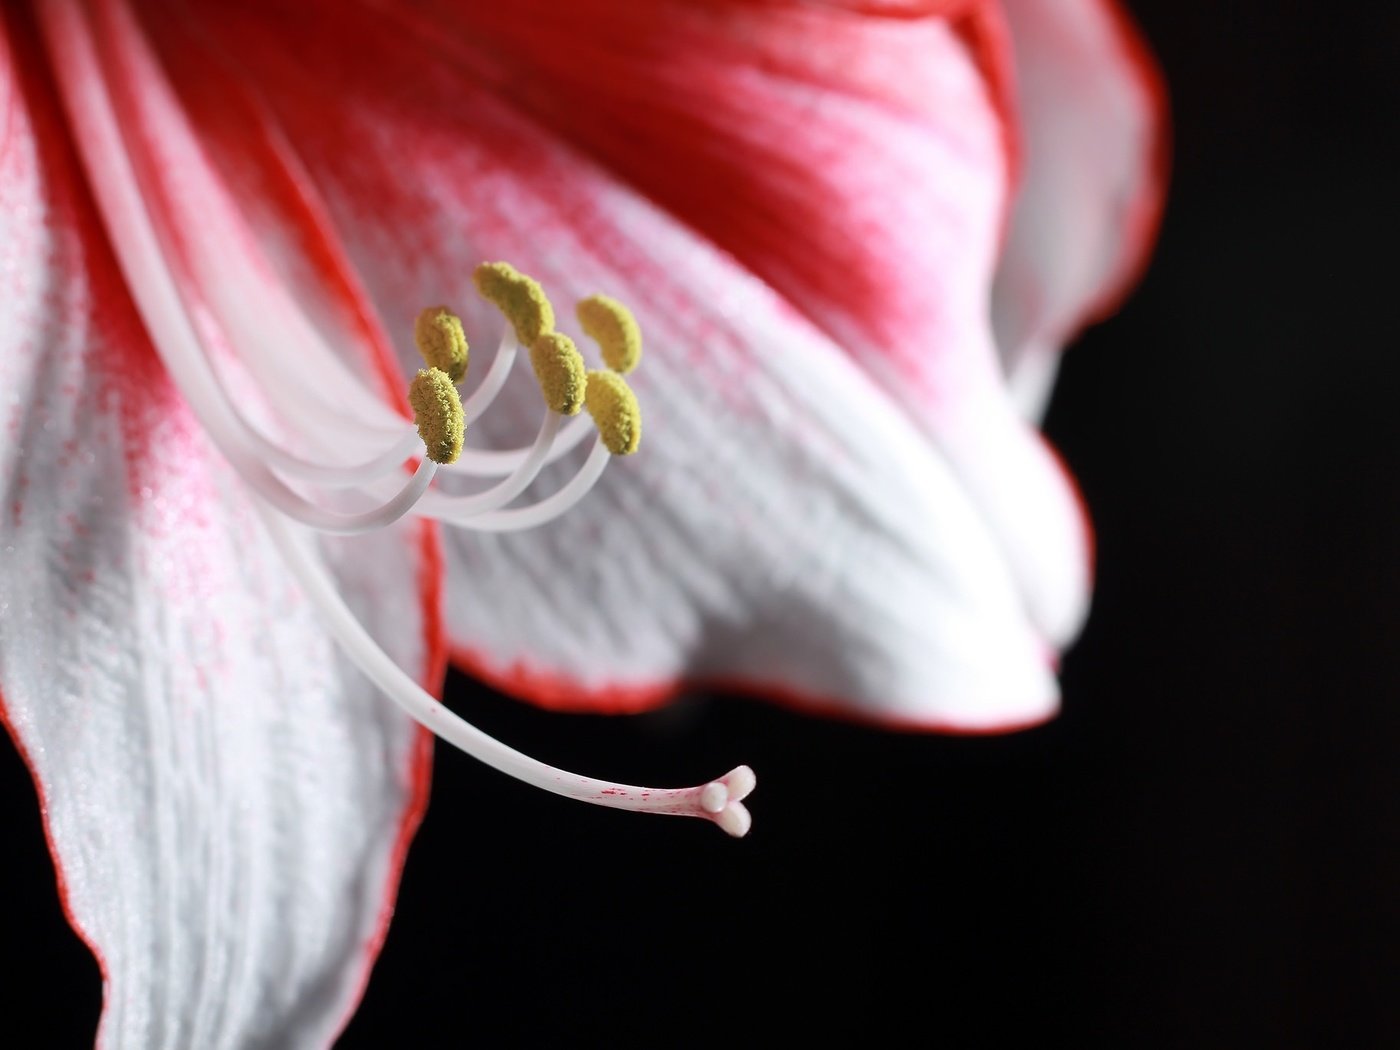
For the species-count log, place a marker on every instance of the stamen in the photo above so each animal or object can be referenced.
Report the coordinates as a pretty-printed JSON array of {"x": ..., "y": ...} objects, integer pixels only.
[
  {"x": 615, "y": 412},
  {"x": 517, "y": 296},
  {"x": 441, "y": 341},
  {"x": 437, "y": 408},
  {"x": 560, "y": 371},
  {"x": 612, "y": 326}
]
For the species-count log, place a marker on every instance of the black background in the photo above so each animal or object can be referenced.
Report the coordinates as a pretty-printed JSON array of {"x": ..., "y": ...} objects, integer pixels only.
[{"x": 1203, "y": 850}]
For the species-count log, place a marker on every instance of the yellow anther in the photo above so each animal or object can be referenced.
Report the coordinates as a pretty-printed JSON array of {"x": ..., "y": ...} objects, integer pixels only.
[
  {"x": 437, "y": 409},
  {"x": 612, "y": 326},
  {"x": 441, "y": 341},
  {"x": 615, "y": 412},
  {"x": 560, "y": 371},
  {"x": 520, "y": 298}
]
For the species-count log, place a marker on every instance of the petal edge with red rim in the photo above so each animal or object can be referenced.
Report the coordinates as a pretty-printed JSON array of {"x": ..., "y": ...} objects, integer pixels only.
[{"x": 1094, "y": 128}]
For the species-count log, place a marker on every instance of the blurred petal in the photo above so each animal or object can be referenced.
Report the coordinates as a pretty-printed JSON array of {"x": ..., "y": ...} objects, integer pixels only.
[
  {"x": 785, "y": 526},
  {"x": 1093, "y": 120},
  {"x": 226, "y": 803}
]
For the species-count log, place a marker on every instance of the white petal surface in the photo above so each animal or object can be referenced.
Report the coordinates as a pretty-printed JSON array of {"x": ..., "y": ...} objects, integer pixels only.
[
  {"x": 227, "y": 803},
  {"x": 1092, "y": 117}
]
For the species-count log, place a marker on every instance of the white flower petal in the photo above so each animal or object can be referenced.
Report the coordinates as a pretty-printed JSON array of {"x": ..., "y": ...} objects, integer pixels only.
[{"x": 228, "y": 803}]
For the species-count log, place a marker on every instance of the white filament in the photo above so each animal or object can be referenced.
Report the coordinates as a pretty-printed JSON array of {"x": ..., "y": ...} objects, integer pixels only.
[
  {"x": 496, "y": 376},
  {"x": 455, "y": 509},
  {"x": 344, "y": 524},
  {"x": 550, "y": 507},
  {"x": 490, "y": 463}
]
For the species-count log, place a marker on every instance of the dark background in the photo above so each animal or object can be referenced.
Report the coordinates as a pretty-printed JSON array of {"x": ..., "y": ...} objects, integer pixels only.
[{"x": 1203, "y": 850}]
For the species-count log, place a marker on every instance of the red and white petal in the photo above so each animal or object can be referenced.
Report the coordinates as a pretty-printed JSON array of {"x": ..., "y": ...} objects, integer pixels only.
[
  {"x": 857, "y": 164},
  {"x": 786, "y": 526},
  {"x": 227, "y": 803},
  {"x": 1093, "y": 125}
]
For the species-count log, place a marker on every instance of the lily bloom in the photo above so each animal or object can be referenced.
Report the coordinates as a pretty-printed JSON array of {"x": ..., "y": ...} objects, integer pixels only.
[{"x": 854, "y": 234}]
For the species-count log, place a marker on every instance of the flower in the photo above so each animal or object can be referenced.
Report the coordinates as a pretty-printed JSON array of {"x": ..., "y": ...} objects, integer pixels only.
[{"x": 224, "y": 220}]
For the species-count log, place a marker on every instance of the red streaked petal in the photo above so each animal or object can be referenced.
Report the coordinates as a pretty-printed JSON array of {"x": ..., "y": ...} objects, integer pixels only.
[
  {"x": 1094, "y": 130},
  {"x": 784, "y": 524},
  {"x": 226, "y": 803}
]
